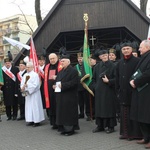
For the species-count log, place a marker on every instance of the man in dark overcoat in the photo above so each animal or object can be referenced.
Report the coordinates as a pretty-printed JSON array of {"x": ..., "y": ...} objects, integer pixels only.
[
  {"x": 124, "y": 70},
  {"x": 103, "y": 82},
  {"x": 21, "y": 98},
  {"x": 83, "y": 95},
  {"x": 10, "y": 101},
  {"x": 140, "y": 107},
  {"x": 66, "y": 99}
]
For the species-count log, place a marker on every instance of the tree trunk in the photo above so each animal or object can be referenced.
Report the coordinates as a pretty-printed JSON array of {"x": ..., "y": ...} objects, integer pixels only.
[
  {"x": 38, "y": 12},
  {"x": 143, "y": 4}
]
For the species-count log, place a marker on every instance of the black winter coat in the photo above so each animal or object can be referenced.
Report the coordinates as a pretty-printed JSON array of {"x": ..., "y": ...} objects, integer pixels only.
[
  {"x": 140, "y": 106},
  {"x": 124, "y": 70},
  {"x": 104, "y": 92},
  {"x": 66, "y": 100},
  {"x": 9, "y": 87}
]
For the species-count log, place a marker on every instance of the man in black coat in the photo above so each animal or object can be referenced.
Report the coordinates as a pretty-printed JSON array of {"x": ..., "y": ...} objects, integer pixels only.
[
  {"x": 66, "y": 99},
  {"x": 10, "y": 100},
  {"x": 83, "y": 95},
  {"x": 21, "y": 99},
  {"x": 140, "y": 107},
  {"x": 124, "y": 70},
  {"x": 103, "y": 82}
]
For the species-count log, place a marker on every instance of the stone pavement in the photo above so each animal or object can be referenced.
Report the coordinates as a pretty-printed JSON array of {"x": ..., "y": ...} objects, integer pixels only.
[{"x": 15, "y": 135}]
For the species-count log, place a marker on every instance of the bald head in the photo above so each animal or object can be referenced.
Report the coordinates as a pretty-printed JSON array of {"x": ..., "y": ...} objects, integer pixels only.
[
  {"x": 29, "y": 66},
  {"x": 53, "y": 58},
  {"x": 144, "y": 47}
]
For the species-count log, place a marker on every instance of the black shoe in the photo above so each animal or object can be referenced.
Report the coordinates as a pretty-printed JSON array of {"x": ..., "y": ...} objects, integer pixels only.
[
  {"x": 98, "y": 129},
  {"x": 68, "y": 133},
  {"x": 122, "y": 137},
  {"x": 30, "y": 124},
  {"x": 130, "y": 139},
  {"x": 20, "y": 118},
  {"x": 36, "y": 124},
  {"x": 54, "y": 127},
  {"x": 14, "y": 118},
  {"x": 81, "y": 116},
  {"x": 9, "y": 118},
  {"x": 109, "y": 130},
  {"x": 88, "y": 118}
]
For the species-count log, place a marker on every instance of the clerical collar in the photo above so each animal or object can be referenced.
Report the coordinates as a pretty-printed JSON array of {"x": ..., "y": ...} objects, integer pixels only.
[{"x": 127, "y": 56}]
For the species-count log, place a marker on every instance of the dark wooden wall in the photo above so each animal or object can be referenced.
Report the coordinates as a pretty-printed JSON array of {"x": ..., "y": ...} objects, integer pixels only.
[{"x": 67, "y": 16}]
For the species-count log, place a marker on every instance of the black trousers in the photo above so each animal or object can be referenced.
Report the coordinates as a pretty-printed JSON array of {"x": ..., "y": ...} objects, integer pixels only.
[
  {"x": 11, "y": 111},
  {"x": 22, "y": 110},
  {"x": 145, "y": 129},
  {"x": 84, "y": 102}
]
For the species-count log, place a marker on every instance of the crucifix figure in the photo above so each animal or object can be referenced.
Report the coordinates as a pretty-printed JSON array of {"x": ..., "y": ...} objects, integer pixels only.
[{"x": 92, "y": 39}]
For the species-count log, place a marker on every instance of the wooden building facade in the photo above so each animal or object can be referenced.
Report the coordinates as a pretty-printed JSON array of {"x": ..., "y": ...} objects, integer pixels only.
[{"x": 110, "y": 22}]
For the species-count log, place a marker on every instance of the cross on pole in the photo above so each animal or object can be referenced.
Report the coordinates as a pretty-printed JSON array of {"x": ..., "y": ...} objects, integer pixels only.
[{"x": 92, "y": 39}]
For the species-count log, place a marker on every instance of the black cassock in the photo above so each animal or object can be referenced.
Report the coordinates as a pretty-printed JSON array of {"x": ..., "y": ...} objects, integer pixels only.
[
  {"x": 66, "y": 100},
  {"x": 104, "y": 94},
  {"x": 51, "y": 82},
  {"x": 124, "y": 70}
]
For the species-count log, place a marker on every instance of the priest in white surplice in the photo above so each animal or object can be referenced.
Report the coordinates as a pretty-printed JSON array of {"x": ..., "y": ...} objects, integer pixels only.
[{"x": 30, "y": 86}]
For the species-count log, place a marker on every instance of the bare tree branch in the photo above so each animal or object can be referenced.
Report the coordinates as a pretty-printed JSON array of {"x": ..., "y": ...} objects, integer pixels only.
[
  {"x": 26, "y": 22},
  {"x": 143, "y": 5},
  {"x": 38, "y": 12}
]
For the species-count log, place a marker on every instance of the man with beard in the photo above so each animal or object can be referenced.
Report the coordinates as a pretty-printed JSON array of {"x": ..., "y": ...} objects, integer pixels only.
[
  {"x": 67, "y": 101},
  {"x": 140, "y": 109},
  {"x": 50, "y": 74},
  {"x": 125, "y": 68}
]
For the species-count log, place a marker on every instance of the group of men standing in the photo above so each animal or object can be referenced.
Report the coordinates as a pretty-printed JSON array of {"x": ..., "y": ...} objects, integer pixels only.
[{"x": 125, "y": 81}]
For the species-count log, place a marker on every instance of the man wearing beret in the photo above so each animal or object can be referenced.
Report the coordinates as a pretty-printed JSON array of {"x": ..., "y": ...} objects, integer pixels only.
[
  {"x": 125, "y": 68},
  {"x": 103, "y": 83},
  {"x": 66, "y": 98},
  {"x": 10, "y": 100},
  {"x": 83, "y": 95},
  {"x": 112, "y": 55}
]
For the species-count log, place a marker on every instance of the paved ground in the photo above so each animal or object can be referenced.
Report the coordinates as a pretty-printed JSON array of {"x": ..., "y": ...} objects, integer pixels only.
[{"x": 15, "y": 135}]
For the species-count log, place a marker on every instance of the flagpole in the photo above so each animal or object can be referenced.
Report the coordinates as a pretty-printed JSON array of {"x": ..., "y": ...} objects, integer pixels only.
[{"x": 86, "y": 18}]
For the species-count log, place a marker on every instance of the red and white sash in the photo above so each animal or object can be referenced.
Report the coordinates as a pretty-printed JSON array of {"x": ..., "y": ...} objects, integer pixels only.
[
  {"x": 9, "y": 73},
  {"x": 46, "y": 92},
  {"x": 41, "y": 72},
  {"x": 19, "y": 75}
]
